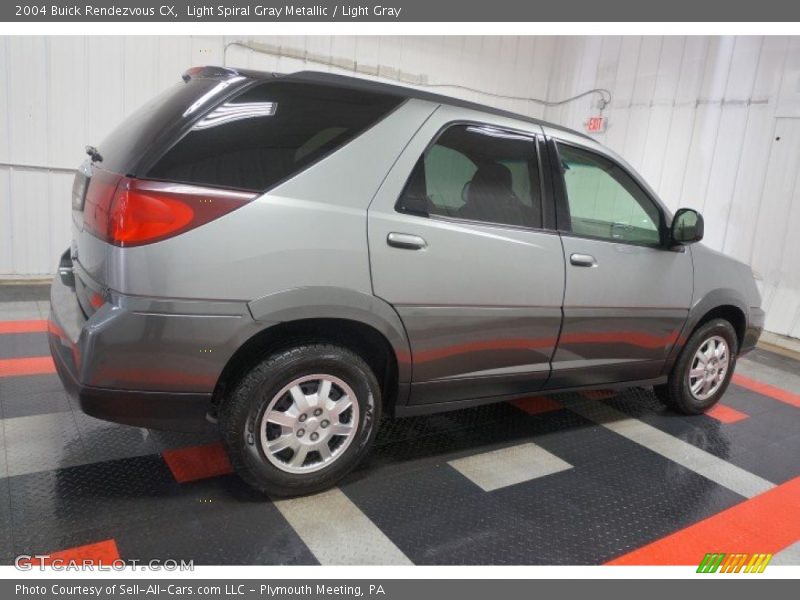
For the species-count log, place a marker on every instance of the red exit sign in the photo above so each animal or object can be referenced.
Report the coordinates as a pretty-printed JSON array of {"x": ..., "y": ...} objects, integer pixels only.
[{"x": 596, "y": 124}]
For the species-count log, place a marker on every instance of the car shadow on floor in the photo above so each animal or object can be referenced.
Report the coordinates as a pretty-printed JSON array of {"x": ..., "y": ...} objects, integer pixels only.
[{"x": 401, "y": 444}]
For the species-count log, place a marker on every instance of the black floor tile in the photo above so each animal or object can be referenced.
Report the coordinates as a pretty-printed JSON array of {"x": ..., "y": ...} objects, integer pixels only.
[
  {"x": 68, "y": 507},
  {"x": 224, "y": 523},
  {"x": 617, "y": 497},
  {"x": 749, "y": 402},
  {"x": 138, "y": 503},
  {"x": 463, "y": 431},
  {"x": 755, "y": 444},
  {"x": 777, "y": 462}
]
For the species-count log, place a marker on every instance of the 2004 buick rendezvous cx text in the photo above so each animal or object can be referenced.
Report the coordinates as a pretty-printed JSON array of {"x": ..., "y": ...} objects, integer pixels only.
[{"x": 295, "y": 256}]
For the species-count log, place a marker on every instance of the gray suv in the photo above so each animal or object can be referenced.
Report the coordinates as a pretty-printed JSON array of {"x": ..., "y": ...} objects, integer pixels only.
[{"x": 294, "y": 256}]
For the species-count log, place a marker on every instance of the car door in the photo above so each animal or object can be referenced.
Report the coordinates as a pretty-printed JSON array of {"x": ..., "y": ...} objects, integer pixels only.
[
  {"x": 458, "y": 245},
  {"x": 627, "y": 293}
]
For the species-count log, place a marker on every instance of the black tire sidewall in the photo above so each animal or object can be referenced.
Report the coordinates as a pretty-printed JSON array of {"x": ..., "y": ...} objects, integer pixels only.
[
  {"x": 252, "y": 396},
  {"x": 682, "y": 397}
]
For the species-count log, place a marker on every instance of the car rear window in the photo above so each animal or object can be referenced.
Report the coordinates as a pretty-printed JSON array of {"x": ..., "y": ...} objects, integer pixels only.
[
  {"x": 160, "y": 118},
  {"x": 269, "y": 133}
]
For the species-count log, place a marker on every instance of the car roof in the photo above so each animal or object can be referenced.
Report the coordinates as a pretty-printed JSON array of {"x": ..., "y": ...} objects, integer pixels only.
[{"x": 367, "y": 85}]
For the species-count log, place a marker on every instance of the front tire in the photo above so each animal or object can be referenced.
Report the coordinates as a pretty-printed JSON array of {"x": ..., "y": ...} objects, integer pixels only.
[
  {"x": 703, "y": 370},
  {"x": 301, "y": 419}
]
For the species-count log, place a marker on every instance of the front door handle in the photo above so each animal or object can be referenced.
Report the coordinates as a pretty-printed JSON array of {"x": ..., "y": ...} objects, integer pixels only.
[
  {"x": 406, "y": 241},
  {"x": 583, "y": 260}
]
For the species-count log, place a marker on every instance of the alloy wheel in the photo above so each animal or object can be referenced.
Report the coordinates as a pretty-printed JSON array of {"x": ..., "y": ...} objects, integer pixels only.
[
  {"x": 709, "y": 367},
  {"x": 309, "y": 423}
]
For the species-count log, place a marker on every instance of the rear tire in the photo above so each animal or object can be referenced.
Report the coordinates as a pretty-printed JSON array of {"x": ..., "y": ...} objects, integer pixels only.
[
  {"x": 301, "y": 419},
  {"x": 703, "y": 370}
]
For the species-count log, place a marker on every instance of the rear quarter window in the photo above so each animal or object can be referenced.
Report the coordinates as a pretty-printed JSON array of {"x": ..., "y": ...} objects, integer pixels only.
[{"x": 269, "y": 133}]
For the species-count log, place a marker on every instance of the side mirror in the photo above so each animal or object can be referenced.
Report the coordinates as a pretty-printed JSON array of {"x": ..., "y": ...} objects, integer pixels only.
[{"x": 687, "y": 227}]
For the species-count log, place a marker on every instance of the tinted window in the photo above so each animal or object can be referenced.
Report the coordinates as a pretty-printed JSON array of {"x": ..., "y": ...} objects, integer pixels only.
[
  {"x": 604, "y": 201},
  {"x": 269, "y": 133},
  {"x": 478, "y": 173},
  {"x": 159, "y": 118}
]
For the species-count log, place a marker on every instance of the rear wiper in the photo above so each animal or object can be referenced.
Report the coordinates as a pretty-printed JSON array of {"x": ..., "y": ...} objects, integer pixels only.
[{"x": 94, "y": 154}]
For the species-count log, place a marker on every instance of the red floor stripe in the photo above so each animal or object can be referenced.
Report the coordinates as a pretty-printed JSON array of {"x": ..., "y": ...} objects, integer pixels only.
[
  {"x": 726, "y": 414},
  {"x": 99, "y": 553},
  {"x": 33, "y": 326},
  {"x": 36, "y": 365},
  {"x": 766, "y": 523},
  {"x": 536, "y": 405},
  {"x": 765, "y": 389},
  {"x": 199, "y": 462}
]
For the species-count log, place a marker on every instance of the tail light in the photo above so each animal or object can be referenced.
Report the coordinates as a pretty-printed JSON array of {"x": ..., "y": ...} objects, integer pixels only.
[{"x": 131, "y": 212}]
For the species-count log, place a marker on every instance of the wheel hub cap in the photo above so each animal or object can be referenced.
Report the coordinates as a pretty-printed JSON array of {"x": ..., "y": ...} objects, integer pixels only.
[
  {"x": 309, "y": 423},
  {"x": 709, "y": 367},
  {"x": 311, "y": 431}
]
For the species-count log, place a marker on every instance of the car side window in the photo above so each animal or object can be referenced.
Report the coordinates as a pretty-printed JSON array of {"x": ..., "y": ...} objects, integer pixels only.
[
  {"x": 604, "y": 201},
  {"x": 478, "y": 173}
]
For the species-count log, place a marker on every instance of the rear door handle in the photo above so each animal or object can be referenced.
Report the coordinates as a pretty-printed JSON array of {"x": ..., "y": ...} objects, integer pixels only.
[
  {"x": 583, "y": 260},
  {"x": 406, "y": 241}
]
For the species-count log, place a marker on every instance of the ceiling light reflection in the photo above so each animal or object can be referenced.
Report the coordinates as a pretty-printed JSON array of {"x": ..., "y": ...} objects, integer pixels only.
[{"x": 229, "y": 112}]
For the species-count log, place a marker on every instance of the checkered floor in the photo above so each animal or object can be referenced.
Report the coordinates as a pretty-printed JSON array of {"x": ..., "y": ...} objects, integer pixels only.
[{"x": 584, "y": 478}]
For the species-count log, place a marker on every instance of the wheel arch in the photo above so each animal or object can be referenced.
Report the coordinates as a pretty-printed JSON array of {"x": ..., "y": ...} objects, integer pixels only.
[
  {"x": 360, "y": 322},
  {"x": 722, "y": 303},
  {"x": 731, "y": 313}
]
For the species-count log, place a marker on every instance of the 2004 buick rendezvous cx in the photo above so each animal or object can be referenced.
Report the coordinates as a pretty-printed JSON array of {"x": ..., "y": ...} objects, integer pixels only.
[{"x": 295, "y": 256}]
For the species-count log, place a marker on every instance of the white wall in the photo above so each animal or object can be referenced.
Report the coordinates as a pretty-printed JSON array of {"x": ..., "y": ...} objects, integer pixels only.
[
  {"x": 58, "y": 94},
  {"x": 696, "y": 115}
]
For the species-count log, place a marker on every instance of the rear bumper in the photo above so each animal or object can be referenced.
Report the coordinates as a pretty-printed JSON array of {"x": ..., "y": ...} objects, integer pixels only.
[
  {"x": 755, "y": 326},
  {"x": 143, "y": 362},
  {"x": 155, "y": 410}
]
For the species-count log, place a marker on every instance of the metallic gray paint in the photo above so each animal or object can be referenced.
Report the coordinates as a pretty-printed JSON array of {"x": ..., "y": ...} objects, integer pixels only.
[
  {"x": 719, "y": 281},
  {"x": 473, "y": 341},
  {"x": 319, "y": 302},
  {"x": 753, "y": 330},
  {"x": 479, "y": 307},
  {"x": 467, "y": 333},
  {"x": 308, "y": 231},
  {"x": 729, "y": 279},
  {"x": 476, "y": 351},
  {"x": 73, "y": 346},
  {"x": 89, "y": 253},
  {"x": 151, "y": 344},
  {"x": 147, "y": 344},
  {"x": 710, "y": 278},
  {"x": 627, "y": 310}
]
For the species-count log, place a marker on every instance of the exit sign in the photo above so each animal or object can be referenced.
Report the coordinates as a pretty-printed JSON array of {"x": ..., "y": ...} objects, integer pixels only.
[{"x": 596, "y": 124}]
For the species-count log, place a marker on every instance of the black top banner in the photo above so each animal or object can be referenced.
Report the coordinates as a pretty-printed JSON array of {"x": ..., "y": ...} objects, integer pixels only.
[{"x": 402, "y": 11}]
